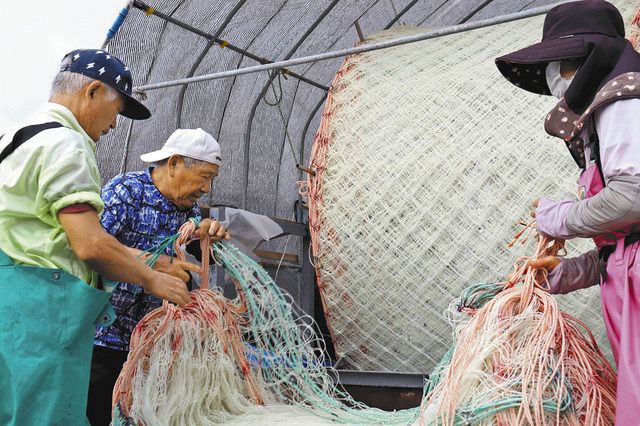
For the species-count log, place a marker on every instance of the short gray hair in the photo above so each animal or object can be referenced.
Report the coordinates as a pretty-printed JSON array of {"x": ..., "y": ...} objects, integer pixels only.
[
  {"x": 192, "y": 162},
  {"x": 70, "y": 83},
  {"x": 188, "y": 162}
]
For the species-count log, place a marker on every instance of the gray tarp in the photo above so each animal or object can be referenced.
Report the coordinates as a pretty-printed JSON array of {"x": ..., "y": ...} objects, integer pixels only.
[{"x": 251, "y": 132}]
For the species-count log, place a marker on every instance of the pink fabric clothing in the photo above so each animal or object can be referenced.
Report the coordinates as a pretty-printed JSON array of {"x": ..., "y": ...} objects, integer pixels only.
[
  {"x": 620, "y": 298},
  {"x": 575, "y": 273},
  {"x": 620, "y": 293},
  {"x": 620, "y": 154},
  {"x": 551, "y": 218}
]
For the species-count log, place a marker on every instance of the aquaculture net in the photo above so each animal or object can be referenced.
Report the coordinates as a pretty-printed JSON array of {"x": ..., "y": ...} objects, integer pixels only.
[{"x": 515, "y": 359}]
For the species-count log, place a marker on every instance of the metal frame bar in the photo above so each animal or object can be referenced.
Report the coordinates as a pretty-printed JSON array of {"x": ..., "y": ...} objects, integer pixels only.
[
  {"x": 247, "y": 138},
  {"x": 399, "y": 15},
  {"x": 223, "y": 43},
  {"x": 293, "y": 228},
  {"x": 151, "y": 65},
  {"x": 231, "y": 85},
  {"x": 127, "y": 141},
  {"x": 307, "y": 292},
  {"x": 324, "y": 97},
  {"x": 307, "y": 124},
  {"x": 474, "y": 11},
  {"x": 378, "y": 379},
  {"x": 220, "y": 272},
  {"x": 286, "y": 137},
  {"x": 303, "y": 139},
  {"x": 433, "y": 12},
  {"x": 281, "y": 65}
]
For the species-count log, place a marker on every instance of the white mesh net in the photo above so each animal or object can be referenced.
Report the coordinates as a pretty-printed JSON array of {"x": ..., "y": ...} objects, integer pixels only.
[{"x": 427, "y": 158}]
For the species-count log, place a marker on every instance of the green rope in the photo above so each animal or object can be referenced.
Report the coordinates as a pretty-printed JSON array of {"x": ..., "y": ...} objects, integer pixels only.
[{"x": 160, "y": 247}]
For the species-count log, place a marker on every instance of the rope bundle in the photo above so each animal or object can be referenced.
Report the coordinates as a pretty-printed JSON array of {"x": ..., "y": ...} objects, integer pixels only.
[
  {"x": 185, "y": 351},
  {"x": 518, "y": 359}
]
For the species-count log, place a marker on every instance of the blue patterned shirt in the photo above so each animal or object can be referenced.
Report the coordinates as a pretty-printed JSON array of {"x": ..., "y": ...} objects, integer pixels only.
[{"x": 139, "y": 216}]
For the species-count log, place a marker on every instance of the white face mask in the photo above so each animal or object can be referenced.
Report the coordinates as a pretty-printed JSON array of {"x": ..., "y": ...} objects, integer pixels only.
[{"x": 557, "y": 83}]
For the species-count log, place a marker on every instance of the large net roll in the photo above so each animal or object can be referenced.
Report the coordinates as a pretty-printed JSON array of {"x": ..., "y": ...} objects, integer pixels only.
[{"x": 426, "y": 159}]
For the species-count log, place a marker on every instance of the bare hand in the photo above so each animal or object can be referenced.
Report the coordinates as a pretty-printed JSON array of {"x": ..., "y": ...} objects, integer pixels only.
[
  {"x": 176, "y": 267},
  {"x": 216, "y": 231},
  {"x": 548, "y": 262},
  {"x": 168, "y": 287},
  {"x": 534, "y": 206}
]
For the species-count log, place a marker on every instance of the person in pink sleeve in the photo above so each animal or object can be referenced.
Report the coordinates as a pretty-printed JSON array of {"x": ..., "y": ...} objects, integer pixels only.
[{"x": 585, "y": 61}]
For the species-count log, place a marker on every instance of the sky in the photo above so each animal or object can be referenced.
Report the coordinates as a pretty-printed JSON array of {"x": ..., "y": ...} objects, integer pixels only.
[{"x": 34, "y": 36}]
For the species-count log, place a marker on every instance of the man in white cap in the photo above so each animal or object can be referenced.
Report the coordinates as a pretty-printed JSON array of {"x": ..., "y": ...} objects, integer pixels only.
[{"x": 142, "y": 208}]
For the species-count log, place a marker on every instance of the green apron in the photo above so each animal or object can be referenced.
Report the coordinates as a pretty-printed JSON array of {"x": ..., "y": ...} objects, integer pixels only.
[{"x": 47, "y": 323}]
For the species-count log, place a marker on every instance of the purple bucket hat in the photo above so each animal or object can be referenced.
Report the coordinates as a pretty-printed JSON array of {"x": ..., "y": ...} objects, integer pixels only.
[{"x": 570, "y": 31}]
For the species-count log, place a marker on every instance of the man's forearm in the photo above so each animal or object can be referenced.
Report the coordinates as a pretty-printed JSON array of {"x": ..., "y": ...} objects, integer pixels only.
[
  {"x": 118, "y": 263},
  {"x": 105, "y": 255}
]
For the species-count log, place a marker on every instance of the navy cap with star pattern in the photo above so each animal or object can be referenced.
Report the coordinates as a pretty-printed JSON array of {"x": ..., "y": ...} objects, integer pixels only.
[{"x": 101, "y": 65}]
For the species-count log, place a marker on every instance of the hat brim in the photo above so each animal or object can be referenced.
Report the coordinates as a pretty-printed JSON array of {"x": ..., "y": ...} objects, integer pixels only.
[
  {"x": 155, "y": 156},
  {"x": 525, "y": 68},
  {"x": 133, "y": 108},
  {"x": 159, "y": 155}
]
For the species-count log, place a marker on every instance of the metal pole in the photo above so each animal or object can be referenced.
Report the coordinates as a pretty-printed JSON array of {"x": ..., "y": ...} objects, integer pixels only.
[
  {"x": 359, "y": 49},
  {"x": 117, "y": 24},
  {"x": 200, "y": 58},
  {"x": 359, "y": 31},
  {"x": 399, "y": 15},
  {"x": 222, "y": 43}
]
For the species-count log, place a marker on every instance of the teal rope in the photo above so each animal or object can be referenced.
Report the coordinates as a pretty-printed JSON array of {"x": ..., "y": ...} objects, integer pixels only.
[
  {"x": 160, "y": 247},
  {"x": 306, "y": 382}
]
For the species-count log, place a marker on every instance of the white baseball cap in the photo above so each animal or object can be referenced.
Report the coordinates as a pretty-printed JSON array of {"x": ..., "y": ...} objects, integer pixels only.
[{"x": 193, "y": 143}]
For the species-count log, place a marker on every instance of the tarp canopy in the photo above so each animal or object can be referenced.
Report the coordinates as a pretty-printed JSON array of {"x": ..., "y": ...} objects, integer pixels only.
[{"x": 264, "y": 123}]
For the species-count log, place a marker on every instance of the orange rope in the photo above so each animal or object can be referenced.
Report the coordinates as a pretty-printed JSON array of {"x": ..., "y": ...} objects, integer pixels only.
[{"x": 558, "y": 349}]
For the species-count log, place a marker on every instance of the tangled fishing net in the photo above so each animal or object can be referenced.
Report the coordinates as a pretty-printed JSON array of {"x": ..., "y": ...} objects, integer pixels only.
[
  {"x": 253, "y": 359},
  {"x": 425, "y": 159},
  {"x": 516, "y": 359}
]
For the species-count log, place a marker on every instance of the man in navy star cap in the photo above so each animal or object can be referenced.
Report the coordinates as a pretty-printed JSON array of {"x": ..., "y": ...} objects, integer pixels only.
[
  {"x": 100, "y": 65},
  {"x": 54, "y": 255}
]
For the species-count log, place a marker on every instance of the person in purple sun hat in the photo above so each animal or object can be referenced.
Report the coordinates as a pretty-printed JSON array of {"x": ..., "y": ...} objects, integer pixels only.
[{"x": 585, "y": 61}]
